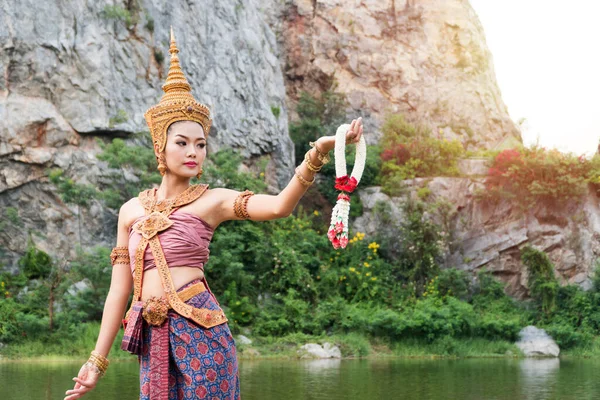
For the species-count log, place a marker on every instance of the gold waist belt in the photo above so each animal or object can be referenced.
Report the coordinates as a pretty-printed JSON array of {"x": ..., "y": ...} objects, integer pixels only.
[{"x": 156, "y": 309}]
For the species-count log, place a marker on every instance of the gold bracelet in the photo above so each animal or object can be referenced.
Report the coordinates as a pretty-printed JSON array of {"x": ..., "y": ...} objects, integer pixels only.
[
  {"x": 310, "y": 165},
  {"x": 302, "y": 180},
  {"x": 323, "y": 157},
  {"x": 100, "y": 359},
  {"x": 98, "y": 363}
]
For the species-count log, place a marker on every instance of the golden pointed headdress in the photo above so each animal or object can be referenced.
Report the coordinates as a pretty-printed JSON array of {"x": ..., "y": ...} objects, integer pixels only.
[{"x": 177, "y": 104}]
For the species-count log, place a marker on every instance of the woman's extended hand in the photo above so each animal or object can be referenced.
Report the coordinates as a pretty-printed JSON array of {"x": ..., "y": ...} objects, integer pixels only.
[
  {"x": 327, "y": 143},
  {"x": 355, "y": 132},
  {"x": 85, "y": 381}
]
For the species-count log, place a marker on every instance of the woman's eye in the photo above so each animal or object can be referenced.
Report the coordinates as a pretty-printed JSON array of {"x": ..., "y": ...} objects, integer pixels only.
[
  {"x": 180, "y": 142},
  {"x": 201, "y": 145}
]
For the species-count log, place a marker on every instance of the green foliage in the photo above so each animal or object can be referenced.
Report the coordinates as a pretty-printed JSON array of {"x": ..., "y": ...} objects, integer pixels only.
[
  {"x": 69, "y": 191},
  {"x": 149, "y": 23},
  {"x": 120, "y": 13},
  {"x": 138, "y": 160},
  {"x": 543, "y": 285},
  {"x": 420, "y": 245},
  {"x": 94, "y": 269},
  {"x": 240, "y": 309},
  {"x": 35, "y": 263},
  {"x": 534, "y": 175},
  {"x": 10, "y": 217},
  {"x": 453, "y": 282},
  {"x": 40, "y": 303},
  {"x": 159, "y": 56},
  {"x": 276, "y": 111},
  {"x": 120, "y": 118},
  {"x": 410, "y": 151},
  {"x": 319, "y": 115},
  {"x": 222, "y": 171}
]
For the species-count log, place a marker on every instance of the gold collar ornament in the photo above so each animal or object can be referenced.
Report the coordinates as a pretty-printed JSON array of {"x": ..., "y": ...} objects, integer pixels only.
[
  {"x": 177, "y": 104},
  {"x": 152, "y": 224},
  {"x": 158, "y": 220}
]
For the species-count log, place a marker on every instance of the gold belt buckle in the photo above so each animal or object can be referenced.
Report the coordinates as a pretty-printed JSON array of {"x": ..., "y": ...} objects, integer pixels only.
[{"x": 156, "y": 310}]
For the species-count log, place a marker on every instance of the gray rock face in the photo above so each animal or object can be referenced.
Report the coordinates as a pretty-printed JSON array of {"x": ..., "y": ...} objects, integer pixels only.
[
  {"x": 81, "y": 71},
  {"x": 74, "y": 70},
  {"x": 491, "y": 236},
  {"x": 535, "y": 342},
  {"x": 427, "y": 59},
  {"x": 314, "y": 350}
]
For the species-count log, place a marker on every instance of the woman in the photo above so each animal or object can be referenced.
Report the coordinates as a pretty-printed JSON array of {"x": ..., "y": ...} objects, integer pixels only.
[{"x": 175, "y": 324}]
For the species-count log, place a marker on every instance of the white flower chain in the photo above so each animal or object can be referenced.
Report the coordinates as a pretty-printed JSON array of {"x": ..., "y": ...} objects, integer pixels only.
[{"x": 338, "y": 228}]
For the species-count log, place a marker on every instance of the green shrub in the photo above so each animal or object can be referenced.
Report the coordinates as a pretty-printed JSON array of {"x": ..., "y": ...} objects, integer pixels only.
[
  {"x": 543, "y": 285},
  {"x": 410, "y": 151},
  {"x": 536, "y": 175}
]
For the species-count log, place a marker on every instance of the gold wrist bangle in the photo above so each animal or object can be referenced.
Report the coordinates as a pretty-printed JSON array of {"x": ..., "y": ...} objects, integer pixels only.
[
  {"x": 101, "y": 366},
  {"x": 99, "y": 360},
  {"x": 310, "y": 165},
  {"x": 302, "y": 180},
  {"x": 323, "y": 157}
]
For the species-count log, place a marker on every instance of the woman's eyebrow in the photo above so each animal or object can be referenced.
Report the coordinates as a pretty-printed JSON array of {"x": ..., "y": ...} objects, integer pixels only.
[{"x": 188, "y": 138}]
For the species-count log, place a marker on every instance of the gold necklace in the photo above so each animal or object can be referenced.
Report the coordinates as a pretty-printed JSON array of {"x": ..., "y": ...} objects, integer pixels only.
[{"x": 167, "y": 204}]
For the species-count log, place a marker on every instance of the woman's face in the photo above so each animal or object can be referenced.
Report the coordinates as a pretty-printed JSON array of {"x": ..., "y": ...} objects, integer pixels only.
[{"x": 185, "y": 150}]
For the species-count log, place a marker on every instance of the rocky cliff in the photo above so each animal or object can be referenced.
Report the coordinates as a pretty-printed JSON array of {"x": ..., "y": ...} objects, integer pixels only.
[
  {"x": 427, "y": 59},
  {"x": 77, "y": 70}
]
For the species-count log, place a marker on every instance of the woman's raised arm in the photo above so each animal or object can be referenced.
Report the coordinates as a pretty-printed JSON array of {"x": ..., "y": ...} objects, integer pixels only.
[{"x": 235, "y": 205}]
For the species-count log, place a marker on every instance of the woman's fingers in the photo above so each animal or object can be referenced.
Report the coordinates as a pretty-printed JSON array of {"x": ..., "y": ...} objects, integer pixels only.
[
  {"x": 76, "y": 393},
  {"x": 89, "y": 383}
]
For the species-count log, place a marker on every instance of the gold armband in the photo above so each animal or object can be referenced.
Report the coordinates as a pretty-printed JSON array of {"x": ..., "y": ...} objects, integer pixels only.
[
  {"x": 241, "y": 204},
  {"x": 302, "y": 179},
  {"x": 310, "y": 165},
  {"x": 323, "y": 157},
  {"x": 119, "y": 255}
]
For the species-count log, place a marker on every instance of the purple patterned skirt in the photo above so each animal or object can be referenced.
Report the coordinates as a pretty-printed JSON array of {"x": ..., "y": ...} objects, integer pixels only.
[{"x": 181, "y": 360}]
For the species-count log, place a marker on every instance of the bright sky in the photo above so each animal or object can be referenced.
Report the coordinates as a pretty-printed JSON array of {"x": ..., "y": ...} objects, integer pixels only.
[{"x": 547, "y": 61}]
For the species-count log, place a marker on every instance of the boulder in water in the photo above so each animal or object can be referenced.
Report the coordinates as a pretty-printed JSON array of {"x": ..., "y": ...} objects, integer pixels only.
[{"x": 535, "y": 342}]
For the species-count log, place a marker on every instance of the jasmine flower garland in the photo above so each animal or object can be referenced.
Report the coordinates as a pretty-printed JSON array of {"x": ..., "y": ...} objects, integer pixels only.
[{"x": 338, "y": 229}]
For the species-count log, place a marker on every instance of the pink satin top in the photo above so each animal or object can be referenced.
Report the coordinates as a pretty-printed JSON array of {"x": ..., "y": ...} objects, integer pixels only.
[{"x": 185, "y": 243}]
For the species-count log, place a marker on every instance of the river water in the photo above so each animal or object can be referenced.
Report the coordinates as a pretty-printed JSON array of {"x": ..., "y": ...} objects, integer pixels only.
[{"x": 423, "y": 379}]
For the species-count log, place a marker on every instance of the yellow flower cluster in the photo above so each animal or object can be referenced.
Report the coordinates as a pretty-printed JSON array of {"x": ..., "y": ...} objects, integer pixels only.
[
  {"x": 431, "y": 289},
  {"x": 374, "y": 246},
  {"x": 357, "y": 237},
  {"x": 316, "y": 212}
]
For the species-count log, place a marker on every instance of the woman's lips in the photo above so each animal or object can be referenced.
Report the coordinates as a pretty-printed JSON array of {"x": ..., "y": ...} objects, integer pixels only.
[{"x": 191, "y": 164}]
